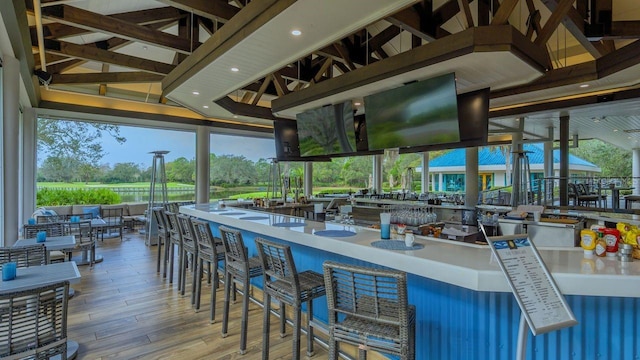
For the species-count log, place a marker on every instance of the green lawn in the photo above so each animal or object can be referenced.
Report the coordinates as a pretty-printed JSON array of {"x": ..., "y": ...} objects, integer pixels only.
[{"x": 81, "y": 185}]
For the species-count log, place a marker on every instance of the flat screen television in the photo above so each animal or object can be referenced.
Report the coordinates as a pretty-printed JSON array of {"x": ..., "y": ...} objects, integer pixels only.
[
  {"x": 473, "y": 119},
  {"x": 416, "y": 114},
  {"x": 328, "y": 130},
  {"x": 285, "y": 133}
]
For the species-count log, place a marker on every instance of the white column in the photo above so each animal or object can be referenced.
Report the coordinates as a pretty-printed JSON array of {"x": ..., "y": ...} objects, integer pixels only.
[
  {"x": 440, "y": 177},
  {"x": 471, "y": 177},
  {"x": 548, "y": 165},
  {"x": 377, "y": 173},
  {"x": 10, "y": 150},
  {"x": 203, "y": 140},
  {"x": 635, "y": 171},
  {"x": 29, "y": 162},
  {"x": 424, "y": 177},
  {"x": 308, "y": 179}
]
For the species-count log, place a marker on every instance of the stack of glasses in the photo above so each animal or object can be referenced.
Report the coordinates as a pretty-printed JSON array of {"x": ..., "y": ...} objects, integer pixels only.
[{"x": 625, "y": 253}]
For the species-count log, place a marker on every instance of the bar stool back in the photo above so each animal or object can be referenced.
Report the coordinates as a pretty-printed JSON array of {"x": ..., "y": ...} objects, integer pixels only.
[
  {"x": 283, "y": 282},
  {"x": 239, "y": 267},
  {"x": 211, "y": 251},
  {"x": 175, "y": 239},
  {"x": 163, "y": 234},
  {"x": 189, "y": 251},
  {"x": 368, "y": 308}
]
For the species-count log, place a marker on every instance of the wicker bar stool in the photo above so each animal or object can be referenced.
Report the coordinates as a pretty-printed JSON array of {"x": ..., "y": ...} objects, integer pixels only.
[
  {"x": 163, "y": 236},
  {"x": 283, "y": 282},
  {"x": 368, "y": 308},
  {"x": 210, "y": 251},
  {"x": 189, "y": 252},
  {"x": 239, "y": 267},
  {"x": 175, "y": 239}
]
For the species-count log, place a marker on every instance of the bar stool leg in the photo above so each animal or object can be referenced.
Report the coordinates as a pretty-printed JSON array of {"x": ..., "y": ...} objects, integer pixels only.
[
  {"x": 283, "y": 319},
  {"x": 245, "y": 315},
  {"x": 172, "y": 251},
  {"x": 333, "y": 347},
  {"x": 214, "y": 288},
  {"x": 310, "y": 337},
  {"x": 159, "y": 254},
  {"x": 296, "y": 331},
  {"x": 225, "y": 311},
  {"x": 166, "y": 257},
  {"x": 197, "y": 286},
  {"x": 266, "y": 322},
  {"x": 181, "y": 272}
]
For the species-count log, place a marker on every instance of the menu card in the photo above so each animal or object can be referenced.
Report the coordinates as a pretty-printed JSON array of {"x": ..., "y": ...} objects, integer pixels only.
[{"x": 541, "y": 302}]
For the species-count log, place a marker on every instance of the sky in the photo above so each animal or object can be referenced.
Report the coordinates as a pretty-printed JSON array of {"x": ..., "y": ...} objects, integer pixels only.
[{"x": 140, "y": 141}]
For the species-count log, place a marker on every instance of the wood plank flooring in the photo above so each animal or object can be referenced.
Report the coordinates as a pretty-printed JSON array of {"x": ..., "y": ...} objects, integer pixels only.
[{"x": 123, "y": 309}]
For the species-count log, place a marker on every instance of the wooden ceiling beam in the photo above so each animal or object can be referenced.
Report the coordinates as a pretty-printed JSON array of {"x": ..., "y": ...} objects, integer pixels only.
[
  {"x": 323, "y": 69},
  {"x": 344, "y": 54},
  {"x": 504, "y": 11},
  {"x": 92, "y": 53},
  {"x": 552, "y": 22},
  {"x": 574, "y": 22},
  {"x": 242, "y": 109},
  {"x": 414, "y": 20},
  {"x": 464, "y": 4},
  {"x": 90, "y": 21},
  {"x": 623, "y": 30},
  {"x": 534, "y": 20},
  {"x": 126, "y": 77},
  {"x": 263, "y": 88},
  {"x": 383, "y": 37},
  {"x": 210, "y": 9},
  {"x": 281, "y": 85}
]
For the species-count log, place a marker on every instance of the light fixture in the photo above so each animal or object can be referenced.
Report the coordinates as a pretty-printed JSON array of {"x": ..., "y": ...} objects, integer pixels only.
[
  {"x": 235, "y": 116},
  {"x": 195, "y": 92},
  {"x": 144, "y": 47},
  {"x": 615, "y": 130},
  {"x": 206, "y": 106},
  {"x": 235, "y": 69},
  {"x": 596, "y": 120},
  {"x": 357, "y": 103},
  {"x": 296, "y": 32},
  {"x": 584, "y": 86}
]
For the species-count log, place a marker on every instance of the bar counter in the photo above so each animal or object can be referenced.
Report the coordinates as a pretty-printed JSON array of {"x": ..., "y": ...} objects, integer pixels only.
[{"x": 465, "y": 308}]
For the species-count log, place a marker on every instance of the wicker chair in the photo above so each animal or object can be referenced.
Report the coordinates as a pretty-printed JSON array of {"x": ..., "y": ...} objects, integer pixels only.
[
  {"x": 163, "y": 235},
  {"x": 175, "y": 239},
  {"x": 368, "y": 308},
  {"x": 239, "y": 267},
  {"x": 85, "y": 238},
  {"x": 24, "y": 256},
  {"x": 52, "y": 229},
  {"x": 113, "y": 218},
  {"x": 210, "y": 251},
  {"x": 33, "y": 323},
  {"x": 189, "y": 252},
  {"x": 283, "y": 282}
]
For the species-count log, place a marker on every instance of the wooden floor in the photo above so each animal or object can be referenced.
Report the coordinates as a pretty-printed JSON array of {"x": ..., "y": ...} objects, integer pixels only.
[{"x": 124, "y": 310}]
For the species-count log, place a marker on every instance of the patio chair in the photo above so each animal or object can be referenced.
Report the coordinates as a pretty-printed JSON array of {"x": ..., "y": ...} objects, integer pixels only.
[
  {"x": 52, "y": 229},
  {"x": 24, "y": 256},
  {"x": 85, "y": 239},
  {"x": 113, "y": 218},
  {"x": 33, "y": 323}
]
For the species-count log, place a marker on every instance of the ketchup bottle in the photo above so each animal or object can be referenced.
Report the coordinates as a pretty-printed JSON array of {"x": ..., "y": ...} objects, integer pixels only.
[{"x": 612, "y": 238}]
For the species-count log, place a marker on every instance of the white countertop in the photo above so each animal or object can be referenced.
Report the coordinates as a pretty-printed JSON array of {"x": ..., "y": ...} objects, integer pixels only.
[{"x": 467, "y": 265}]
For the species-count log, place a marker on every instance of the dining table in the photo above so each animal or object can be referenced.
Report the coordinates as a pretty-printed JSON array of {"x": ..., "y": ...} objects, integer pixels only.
[
  {"x": 52, "y": 243},
  {"x": 37, "y": 276}
]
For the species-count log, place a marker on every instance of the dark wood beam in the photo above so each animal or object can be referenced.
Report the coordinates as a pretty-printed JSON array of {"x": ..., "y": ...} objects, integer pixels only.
[
  {"x": 92, "y": 53},
  {"x": 623, "y": 30},
  {"x": 281, "y": 85},
  {"x": 504, "y": 11},
  {"x": 90, "y": 21},
  {"x": 64, "y": 66},
  {"x": 102, "y": 90},
  {"x": 464, "y": 5},
  {"x": 344, "y": 54},
  {"x": 383, "y": 37},
  {"x": 625, "y": 57},
  {"x": 414, "y": 19},
  {"x": 242, "y": 109},
  {"x": 323, "y": 69},
  {"x": 534, "y": 20},
  {"x": 574, "y": 22},
  {"x": 210, "y": 9},
  {"x": 263, "y": 88},
  {"x": 553, "y": 21},
  {"x": 127, "y": 77}
]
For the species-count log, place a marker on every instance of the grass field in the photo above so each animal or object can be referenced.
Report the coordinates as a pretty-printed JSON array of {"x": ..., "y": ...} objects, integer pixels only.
[{"x": 82, "y": 185}]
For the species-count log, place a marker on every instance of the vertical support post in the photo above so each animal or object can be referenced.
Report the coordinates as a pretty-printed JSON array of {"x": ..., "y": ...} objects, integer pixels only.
[
  {"x": 424, "y": 176},
  {"x": 308, "y": 179},
  {"x": 377, "y": 173},
  {"x": 564, "y": 160},
  {"x": 202, "y": 164},
  {"x": 471, "y": 177},
  {"x": 523, "y": 334},
  {"x": 548, "y": 167},
  {"x": 635, "y": 171},
  {"x": 29, "y": 165},
  {"x": 516, "y": 148},
  {"x": 10, "y": 149}
]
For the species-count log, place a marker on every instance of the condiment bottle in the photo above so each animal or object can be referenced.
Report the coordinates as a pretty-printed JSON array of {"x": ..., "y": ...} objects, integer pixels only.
[
  {"x": 611, "y": 238},
  {"x": 601, "y": 247},
  {"x": 588, "y": 240}
]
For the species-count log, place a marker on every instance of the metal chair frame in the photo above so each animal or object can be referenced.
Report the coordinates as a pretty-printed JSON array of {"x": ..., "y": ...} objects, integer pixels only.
[{"x": 210, "y": 251}]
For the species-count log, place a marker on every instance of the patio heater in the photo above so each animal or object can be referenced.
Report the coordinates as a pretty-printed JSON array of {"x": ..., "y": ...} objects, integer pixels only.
[
  {"x": 521, "y": 185},
  {"x": 157, "y": 197},
  {"x": 275, "y": 185}
]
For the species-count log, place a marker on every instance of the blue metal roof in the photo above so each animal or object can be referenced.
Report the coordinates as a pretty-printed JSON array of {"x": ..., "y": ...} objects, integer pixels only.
[{"x": 457, "y": 157}]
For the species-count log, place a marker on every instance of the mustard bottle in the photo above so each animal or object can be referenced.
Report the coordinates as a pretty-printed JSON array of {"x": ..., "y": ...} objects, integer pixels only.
[{"x": 588, "y": 240}]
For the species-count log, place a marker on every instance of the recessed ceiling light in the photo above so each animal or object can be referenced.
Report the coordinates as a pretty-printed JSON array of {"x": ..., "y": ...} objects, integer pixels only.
[
  {"x": 235, "y": 69},
  {"x": 296, "y": 32},
  {"x": 615, "y": 130},
  {"x": 357, "y": 103},
  {"x": 195, "y": 92},
  {"x": 235, "y": 116},
  {"x": 206, "y": 106},
  {"x": 144, "y": 47},
  {"x": 584, "y": 86},
  {"x": 596, "y": 120}
]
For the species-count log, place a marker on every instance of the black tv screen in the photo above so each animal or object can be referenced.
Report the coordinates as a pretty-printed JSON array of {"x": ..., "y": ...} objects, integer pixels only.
[
  {"x": 417, "y": 114},
  {"x": 473, "y": 119},
  {"x": 328, "y": 130},
  {"x": 285, "y": 133}
]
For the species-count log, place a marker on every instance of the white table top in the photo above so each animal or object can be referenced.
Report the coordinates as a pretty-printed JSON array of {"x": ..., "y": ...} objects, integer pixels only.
[
  {"x": 52, "y": 243},
  {"x": 35, "y": 276},
  {"x": 467, "y": 265}
]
